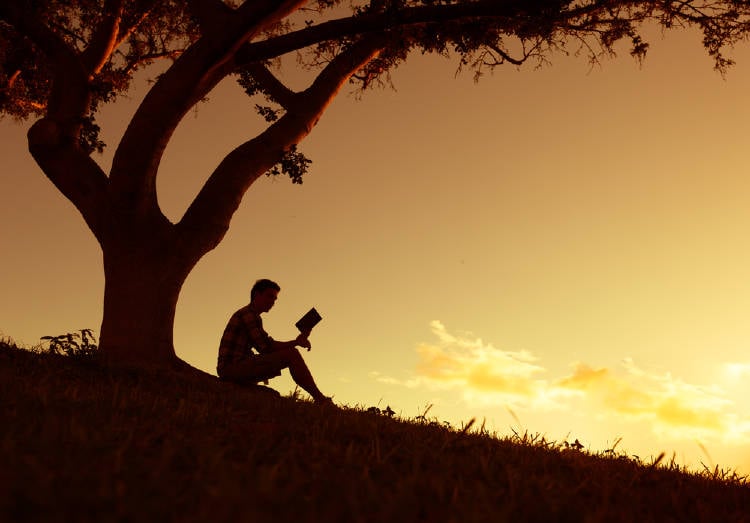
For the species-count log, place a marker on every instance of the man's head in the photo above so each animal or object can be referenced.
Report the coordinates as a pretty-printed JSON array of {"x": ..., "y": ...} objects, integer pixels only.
[{"x": 263, "y": 294}]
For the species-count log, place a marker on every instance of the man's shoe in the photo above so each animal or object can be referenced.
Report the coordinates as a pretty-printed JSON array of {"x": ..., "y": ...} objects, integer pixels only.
[{"x": 325, "y": 401}]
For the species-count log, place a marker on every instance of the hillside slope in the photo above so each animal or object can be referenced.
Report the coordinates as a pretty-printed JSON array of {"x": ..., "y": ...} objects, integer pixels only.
[{"x": 81, "y": 443}]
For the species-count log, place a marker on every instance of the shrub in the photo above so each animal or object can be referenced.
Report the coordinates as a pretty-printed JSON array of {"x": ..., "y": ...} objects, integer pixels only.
[{"x": 81, "y": 344}]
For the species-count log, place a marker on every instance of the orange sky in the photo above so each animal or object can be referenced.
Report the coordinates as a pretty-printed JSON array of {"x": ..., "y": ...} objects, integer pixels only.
[{"x": 562, "y": 251}]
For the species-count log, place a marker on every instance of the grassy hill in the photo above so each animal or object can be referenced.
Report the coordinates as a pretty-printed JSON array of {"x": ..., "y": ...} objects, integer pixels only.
[{"x": 81, "y": 443}]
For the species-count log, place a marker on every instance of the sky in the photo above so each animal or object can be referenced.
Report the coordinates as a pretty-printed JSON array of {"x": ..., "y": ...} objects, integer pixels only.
[{"x": 560, "y": 251}]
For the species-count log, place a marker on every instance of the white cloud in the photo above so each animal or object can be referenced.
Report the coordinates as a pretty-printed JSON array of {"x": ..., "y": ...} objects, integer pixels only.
[
  {"x": 737, "y": 370},
  {"x": 673, "y": 408},
  {"x": 486, "y": 375}
]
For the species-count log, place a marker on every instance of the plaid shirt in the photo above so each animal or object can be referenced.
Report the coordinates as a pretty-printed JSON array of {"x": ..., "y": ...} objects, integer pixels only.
[{"x": 243, "y": 333}]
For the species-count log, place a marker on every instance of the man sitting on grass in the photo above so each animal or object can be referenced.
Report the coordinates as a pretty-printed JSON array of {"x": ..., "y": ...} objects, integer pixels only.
[{"x": 244, "y": 332}]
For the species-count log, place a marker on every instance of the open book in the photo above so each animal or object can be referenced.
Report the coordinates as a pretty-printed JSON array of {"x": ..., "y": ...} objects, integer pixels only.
[{"x": 308, "y": 321}]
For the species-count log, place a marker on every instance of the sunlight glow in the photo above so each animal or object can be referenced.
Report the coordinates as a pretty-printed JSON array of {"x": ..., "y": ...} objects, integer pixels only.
[{"x": 737, "y": 371}]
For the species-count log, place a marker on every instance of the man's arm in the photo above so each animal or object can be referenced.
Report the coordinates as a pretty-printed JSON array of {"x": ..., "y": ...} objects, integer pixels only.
[
  {"x": 264, "y": 343},
  {"x": 299, "y": 341},
  {"x": 259, "y": 338}
]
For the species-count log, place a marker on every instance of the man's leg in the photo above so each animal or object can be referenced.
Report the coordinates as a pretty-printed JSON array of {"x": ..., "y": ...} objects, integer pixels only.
[
  {"x": 300, "y": 372},
  {"x": 252, "y": 370},
  {"x": 265, "y": 366}
]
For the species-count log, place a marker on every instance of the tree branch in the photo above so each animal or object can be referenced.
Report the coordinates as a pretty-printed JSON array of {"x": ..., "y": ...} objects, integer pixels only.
[
  {"x": 69, "y": 94},
  {"x": 211, "y": 14},
  {"x": 271, "y": 85},
  {"x": 105, "y": 38},
  {"x": 592, "y": 14},
  {"x": 189, "y": 80},
  {"x": 506, "y": 57},
  {"x": 12, "y": 78},
  {"x": 209, "y": 215},
  {"x": 72, "y": 171},
  {"x": 53, "y": 140},
  {"x": 51, "y": 44},
  {"x": 132, "y": 64},
  {"x": 382, "y": 21},
  {"x": 252, "y": 9},
  {"x": 144, "y": 8}
]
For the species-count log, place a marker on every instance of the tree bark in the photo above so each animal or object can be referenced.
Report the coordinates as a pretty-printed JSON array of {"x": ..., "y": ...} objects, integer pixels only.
[{"x": 144, "y": 270}]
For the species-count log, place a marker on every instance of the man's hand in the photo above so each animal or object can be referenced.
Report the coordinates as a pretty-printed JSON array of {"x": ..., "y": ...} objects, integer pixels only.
[{"x": 303, "y": 341}]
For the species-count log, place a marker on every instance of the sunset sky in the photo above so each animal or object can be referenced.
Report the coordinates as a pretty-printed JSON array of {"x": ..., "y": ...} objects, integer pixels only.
[{"x": 563, "y": 251}]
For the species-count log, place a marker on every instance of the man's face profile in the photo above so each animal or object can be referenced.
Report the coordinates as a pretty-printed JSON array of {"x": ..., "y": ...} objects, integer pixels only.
[{"x": 265, "y": 299}]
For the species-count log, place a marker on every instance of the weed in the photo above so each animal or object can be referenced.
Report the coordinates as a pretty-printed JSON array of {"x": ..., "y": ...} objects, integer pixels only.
[
  {"x": 387, "y": 411},
  {"x": 81, "y": 344}
]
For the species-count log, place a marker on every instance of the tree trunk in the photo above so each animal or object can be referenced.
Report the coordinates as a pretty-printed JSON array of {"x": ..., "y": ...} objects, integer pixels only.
[{"x": 143, "y": 275}]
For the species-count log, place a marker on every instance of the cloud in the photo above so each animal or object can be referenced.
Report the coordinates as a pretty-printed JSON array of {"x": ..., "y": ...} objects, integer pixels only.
[
  {"x": 673, "y": 407},
  {"x": 475, "y": 363},
  {"x": 737, "y": 370},
  {"x": 486, "y": 375}
]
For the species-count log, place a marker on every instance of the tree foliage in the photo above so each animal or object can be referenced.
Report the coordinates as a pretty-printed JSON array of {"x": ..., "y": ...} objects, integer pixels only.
[
  {"x": 483, "y": 34},
  {"x": 34, "y": 34}
]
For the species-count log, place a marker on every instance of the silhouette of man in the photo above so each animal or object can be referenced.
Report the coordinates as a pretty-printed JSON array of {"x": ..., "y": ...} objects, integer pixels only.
[{"x": 244, "y": 332}]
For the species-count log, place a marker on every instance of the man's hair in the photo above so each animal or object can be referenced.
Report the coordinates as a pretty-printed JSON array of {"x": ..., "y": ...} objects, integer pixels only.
[{"x": 262, "y": 285}]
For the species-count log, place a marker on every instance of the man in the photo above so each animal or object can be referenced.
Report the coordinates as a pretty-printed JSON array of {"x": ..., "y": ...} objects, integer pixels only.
[{"x": 244, "y": 332}]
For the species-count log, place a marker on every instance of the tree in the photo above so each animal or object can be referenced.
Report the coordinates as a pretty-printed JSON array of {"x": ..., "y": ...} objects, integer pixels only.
[{"x": 63, "y": 59}]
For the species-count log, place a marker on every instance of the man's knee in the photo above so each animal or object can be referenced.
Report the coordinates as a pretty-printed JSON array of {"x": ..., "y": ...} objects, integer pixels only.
[
  {"x": 293, "y": 352},
  {"x": 291, "y": 355}
]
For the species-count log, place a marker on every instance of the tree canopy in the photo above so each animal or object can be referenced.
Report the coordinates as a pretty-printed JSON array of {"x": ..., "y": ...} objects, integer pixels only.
[{"x": 44, "y": 44}]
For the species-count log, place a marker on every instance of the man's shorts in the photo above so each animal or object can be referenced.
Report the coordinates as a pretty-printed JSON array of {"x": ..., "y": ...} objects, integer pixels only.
[{"x": 256, "y": 369}]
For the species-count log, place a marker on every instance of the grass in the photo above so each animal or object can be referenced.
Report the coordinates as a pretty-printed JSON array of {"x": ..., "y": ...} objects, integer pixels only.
[{"x": 83, "y": 443}]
